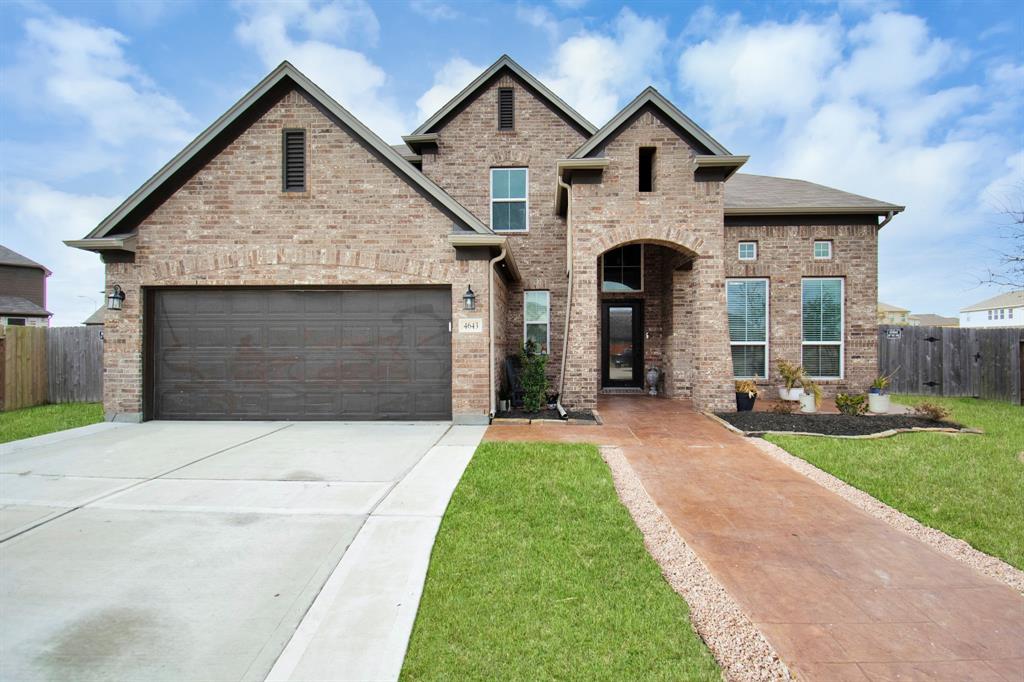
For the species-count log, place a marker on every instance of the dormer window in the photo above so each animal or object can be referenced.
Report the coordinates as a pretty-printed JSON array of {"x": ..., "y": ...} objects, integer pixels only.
[{"x": 506, "y": 109}]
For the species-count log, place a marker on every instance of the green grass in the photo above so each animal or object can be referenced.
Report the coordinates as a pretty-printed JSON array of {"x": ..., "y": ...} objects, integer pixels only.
[
  {"x": 35, "y": 421},
  {"x": 970, "y": 487},
  {"x": 539, "y": 573}
]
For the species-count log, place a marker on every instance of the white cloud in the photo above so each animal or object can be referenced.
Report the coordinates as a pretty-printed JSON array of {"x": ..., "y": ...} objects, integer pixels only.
[
  {"x": 70, "y": 68},
  {"x": 434, "y": 10},
  {"x": 450, "y": 79},
  {"x": 539, "y": 17},
  {"x": 597, "y": 73},
  {"x": 38, "y": 218},
  {"x": 345, "y": 74},
  {"x": 570, "y": 4},
  {"x": 867, "y": 108}
]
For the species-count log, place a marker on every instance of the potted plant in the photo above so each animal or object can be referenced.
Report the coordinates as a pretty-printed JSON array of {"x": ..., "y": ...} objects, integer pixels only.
[
  {"x": 746, "y": 394},
  {"x": 792, "y": 375},
  {"x": 811, "y": 399},
  {"x": 552, "y": 399},
  {"x": 878, "y": 397}
]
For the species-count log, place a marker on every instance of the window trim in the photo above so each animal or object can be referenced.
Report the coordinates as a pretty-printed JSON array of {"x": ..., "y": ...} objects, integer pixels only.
[
  {"x": 842, "y": 328},
  {"x": 284, "y": 161},
  {"x": 814, "y": 247},
  {"x": 547, "y": 324},
  {"x": 767, "y": 324},
  {"x": 739, "y": 254},
  {"x": 525, "y": 199},
  {"x": 643, "y": 273}
]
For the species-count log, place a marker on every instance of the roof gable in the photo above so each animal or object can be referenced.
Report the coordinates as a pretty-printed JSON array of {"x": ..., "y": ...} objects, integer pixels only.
[
  {"x": 285, "y": 76},
  {"x": 651, "y": 97},
  {"x": 480, "y": 82},
  {"x": 10, "y": 257}
]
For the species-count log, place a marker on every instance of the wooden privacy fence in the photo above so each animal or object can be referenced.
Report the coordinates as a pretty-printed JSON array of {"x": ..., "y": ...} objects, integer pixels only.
[
  {"x": 980, "y": 363},
  {"x": 40, "y": 365}
]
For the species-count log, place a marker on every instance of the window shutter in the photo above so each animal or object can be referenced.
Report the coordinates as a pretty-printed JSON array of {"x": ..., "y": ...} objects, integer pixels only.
[
  {"x": 294, "y": 161},
  {"x": 506, "y": 109}
]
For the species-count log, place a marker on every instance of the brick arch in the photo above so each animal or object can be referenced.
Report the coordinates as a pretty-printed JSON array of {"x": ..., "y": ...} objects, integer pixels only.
[
  {"x": 678, "y": 238},
  {"x": 265, "y": 259}
]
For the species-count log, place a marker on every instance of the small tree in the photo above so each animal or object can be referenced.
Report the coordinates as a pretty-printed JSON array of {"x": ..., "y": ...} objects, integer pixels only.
[
  {"x": 534, "y": 377},
  {"x": 1009, "y": 271}
]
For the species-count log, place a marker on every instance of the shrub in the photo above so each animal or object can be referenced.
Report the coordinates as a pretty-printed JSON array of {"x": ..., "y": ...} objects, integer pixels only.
[
  {"x": 851, "y": 404},
  {"x": 936, "y": 413},
  {"x": 747, "y": 386},
  {"x": 782, "y": 407},
  {"x": 791, "y": 374},
  {"x": 881, "y": 383},
  {"x": 533, "y": 377}
]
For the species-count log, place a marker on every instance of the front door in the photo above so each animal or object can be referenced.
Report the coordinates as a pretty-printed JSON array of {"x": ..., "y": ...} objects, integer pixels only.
[{"x": 622, "y": 343}]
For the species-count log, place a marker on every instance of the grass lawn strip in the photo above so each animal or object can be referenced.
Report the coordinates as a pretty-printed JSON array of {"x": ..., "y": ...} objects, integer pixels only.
[
  {"x": 538, "y": 572},
  {"x": 967, "y": 487},
  {"x": 37, "y": 421}
]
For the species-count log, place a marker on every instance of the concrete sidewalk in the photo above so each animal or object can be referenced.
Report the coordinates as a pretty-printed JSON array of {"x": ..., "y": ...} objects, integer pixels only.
[
  {"x": 170, "y": 551},
  {"x": 838, "y": 593}
]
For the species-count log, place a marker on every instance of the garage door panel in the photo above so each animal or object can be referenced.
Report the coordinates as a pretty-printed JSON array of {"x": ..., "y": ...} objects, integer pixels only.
[{"x": 380, "y": 353}]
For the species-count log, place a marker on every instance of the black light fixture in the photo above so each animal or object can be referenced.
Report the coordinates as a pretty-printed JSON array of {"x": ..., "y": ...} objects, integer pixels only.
[
  {"x": 116, "y": 298},
  {"x": 469, "y": 299}
]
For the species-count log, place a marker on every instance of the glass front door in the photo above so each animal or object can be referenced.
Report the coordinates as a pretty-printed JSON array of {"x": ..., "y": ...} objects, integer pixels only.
[{"x": 622, "y": 356}]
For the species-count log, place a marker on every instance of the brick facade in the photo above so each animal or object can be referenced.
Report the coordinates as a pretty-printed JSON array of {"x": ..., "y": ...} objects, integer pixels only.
[{"x": 360, "y": 222}]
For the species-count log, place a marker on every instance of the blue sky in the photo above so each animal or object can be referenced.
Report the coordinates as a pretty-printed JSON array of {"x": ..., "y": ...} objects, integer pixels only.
[{"x": 914, "y": 103}]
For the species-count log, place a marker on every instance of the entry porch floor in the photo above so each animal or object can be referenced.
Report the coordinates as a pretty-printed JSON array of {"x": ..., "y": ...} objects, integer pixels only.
[{"x": 839, "y": 594}]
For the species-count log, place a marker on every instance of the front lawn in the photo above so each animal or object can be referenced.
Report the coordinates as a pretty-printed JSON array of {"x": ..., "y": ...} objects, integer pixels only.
[
  {"x": 539, "y": 573},
  {"x": 970, "y": 487},
  {"x": 35, "y": 421}
]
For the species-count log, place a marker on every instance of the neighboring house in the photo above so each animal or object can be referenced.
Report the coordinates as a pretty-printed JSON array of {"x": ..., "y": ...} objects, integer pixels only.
[
  {"x": 22, "y": 290},
  {"x": 96, "y": 319},
  {"x": 933, "y": 320},
  {"x": 890, "y": 314},
  {"x": 1004, "y": 310},
  {"x": 289, "y": 264}
]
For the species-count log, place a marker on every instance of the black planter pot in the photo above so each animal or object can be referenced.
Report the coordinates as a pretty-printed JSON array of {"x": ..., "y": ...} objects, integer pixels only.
[{"x": 744, "y": 402}]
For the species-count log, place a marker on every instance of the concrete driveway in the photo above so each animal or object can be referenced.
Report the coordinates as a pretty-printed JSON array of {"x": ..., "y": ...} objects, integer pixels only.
[{"x": 220, "y": 551}]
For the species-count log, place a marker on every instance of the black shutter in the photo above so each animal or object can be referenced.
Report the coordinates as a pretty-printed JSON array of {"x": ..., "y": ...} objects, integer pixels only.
[
  {"x": 294, "y": 157},
  {"x": 506, "y": 109}
]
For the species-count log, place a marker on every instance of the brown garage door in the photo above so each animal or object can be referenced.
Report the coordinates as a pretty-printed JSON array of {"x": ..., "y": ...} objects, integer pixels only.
[{"x": 380, "y": 353}]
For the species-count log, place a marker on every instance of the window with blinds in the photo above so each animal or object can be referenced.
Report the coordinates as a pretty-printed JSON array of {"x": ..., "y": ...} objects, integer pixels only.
[
  {"x": 822, "y": 315},
  {"x": 294, "y": 160},
  {"x": 506, "y": 109},
  {"x": 747, "y": 303}
]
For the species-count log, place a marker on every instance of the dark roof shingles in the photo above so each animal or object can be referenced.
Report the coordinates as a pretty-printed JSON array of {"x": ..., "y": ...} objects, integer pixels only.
[{"x": 14, "y": 305}]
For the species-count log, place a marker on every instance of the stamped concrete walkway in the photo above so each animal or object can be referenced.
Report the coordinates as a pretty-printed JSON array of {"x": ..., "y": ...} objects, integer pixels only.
[{"x": 838, "y": 593}]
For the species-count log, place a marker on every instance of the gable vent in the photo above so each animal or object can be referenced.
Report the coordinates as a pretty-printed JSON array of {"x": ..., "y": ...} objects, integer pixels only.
[
  {"x": 506, "y": 109},
  {"x": 294, "y": 153}
]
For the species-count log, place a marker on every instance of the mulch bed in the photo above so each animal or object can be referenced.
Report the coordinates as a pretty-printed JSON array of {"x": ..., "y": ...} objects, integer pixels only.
[
  {"x": 829, "y": 424},
  {"x": 547, "y": 415}
]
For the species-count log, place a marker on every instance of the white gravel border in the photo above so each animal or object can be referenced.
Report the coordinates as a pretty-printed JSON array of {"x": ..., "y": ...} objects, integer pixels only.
[
  {"x": 950, "y": 546},
  {"x": 738, "y": 646}
]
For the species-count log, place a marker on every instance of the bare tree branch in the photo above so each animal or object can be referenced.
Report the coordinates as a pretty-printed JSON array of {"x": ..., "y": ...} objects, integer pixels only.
[{"x": 1008, "y": 271}]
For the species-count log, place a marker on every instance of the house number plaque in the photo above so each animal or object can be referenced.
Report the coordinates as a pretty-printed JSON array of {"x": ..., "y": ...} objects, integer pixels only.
[{"x": 471, "y": 325}]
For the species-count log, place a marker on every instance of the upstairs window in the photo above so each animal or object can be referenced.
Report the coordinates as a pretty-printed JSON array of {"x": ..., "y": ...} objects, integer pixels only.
[
  {"x": 747, "y": 304},
  {"x": 748, "y": 251},
  {"x": 822, "y": 314},
  {"x": 647, "y": 169},
  {"x": 509, "y": 200},
  {"x": 623, "y": 269},
  {"x": 294, "y": 160},
  {"x": 506, "y": 109},
  {"x": 822, "y": 250}
]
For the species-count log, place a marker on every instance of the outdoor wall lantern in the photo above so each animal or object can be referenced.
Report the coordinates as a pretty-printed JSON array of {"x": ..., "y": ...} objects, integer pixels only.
[
  {"x": 469, "y": 299},
  {"x": 116, "y": 298}
]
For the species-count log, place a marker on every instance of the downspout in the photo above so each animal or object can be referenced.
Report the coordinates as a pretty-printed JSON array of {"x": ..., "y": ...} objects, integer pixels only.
[
  {"x": 490, "y": 324},
  {"x": 568, "y": 301},
  {"x": 887, "y": 219}
]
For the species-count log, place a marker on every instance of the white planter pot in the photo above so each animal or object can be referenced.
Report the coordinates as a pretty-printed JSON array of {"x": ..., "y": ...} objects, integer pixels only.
[
  {"x": 503, "y": 405},
  {"x": 807, "y": 403},
  {"x": 878, "y": 403},
  {"x": 792, "y": 394}
]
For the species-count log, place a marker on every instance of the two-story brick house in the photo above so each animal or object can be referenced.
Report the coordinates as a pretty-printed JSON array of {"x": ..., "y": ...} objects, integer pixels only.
[
  {"x": 22, "y": 291},
  {"x": 289, "y": 264}
]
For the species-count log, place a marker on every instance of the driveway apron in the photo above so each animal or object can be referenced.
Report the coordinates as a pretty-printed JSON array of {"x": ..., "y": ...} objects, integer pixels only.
[
  {"x": 198, "y": 550},
  {"x": 839, "y": 594}
]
